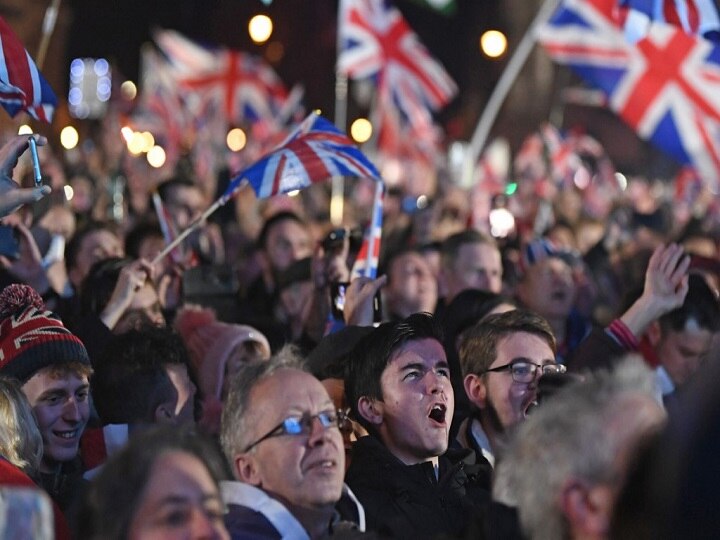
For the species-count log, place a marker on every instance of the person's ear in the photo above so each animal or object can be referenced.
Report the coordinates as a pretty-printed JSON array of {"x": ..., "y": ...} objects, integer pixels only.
[
  {"x": 654, "y": 333},
  {"x": 246, "y": 470},
  {"x": 371, "y": 410},
  {"x": 475, "y": 389},
  {"x": 586, "y": 507},
  {"x": 164, "y": 413}
]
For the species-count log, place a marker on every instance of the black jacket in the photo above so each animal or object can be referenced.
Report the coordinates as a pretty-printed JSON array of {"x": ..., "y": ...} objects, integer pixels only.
[{"x": 407, "y": 501}]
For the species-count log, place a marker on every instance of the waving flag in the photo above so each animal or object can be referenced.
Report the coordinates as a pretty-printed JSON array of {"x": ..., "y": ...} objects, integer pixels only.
[
  {"x": 666, "y": 86},
  {"x": 376, "y": 41},
  {"x": 366, "y": 262},
  {"x": 699, "y": 17},
  {"x": 314, "y": 152},
  {"x": 244, "y": 85},
  {"x": 22, "y": 86}
]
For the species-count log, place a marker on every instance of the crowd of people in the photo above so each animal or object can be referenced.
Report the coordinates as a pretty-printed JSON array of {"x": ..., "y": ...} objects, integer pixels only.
[{"x": 556, "y": 381}]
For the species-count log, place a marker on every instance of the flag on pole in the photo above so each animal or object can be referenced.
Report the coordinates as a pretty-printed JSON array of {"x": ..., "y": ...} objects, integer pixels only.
[
  {"x": 315, "y": 151},
  {"x": 376, "y": 41},
  {"x": 22, "y": 86},
  {"x": 666, "y": 86},
  {"x": 366, "y": 262}
]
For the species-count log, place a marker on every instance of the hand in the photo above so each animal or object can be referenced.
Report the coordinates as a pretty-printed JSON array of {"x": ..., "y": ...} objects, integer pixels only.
[
  {"x": 666, "y": 285},
  {"x": 359, "y": 300},
  {"x": 12, "y": 196},
  {"x": 666, "y": 279},
  {"x": 28, "y": 267},
  {"x": 132, "y": 278}
]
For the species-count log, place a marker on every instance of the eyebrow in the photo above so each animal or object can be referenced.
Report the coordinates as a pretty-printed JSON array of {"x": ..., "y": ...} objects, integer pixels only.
[
  {"x": 184, "y": 499},
  {"x": 422, "y": 366},
  {"x": 529, "y": 361}
]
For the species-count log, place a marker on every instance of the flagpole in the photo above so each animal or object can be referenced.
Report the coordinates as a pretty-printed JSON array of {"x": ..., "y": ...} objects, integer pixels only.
[
  {"x": 501, "y": 90},
  {"x": 337, "y": 198},
  {"x": 48, "y": 26},
  {"x": 195, "y": 224}
]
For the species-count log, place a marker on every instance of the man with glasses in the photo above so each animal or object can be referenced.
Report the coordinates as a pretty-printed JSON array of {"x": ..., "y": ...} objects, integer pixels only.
[
  {"x": 281, "y": 435},
  {"x": 502, "y": 359},
  {"x": 398, "y": 386}
]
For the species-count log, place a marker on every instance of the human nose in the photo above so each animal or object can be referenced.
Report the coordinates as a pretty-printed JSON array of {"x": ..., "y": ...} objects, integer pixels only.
[
  {"x": 317, "y": 431},
  {"x": 71, "y": 410}
]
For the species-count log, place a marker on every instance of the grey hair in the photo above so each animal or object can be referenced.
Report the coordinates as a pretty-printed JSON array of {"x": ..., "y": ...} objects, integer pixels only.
[
  {"x": 235, "y": 430},
  {"x": 575, "y": 434}
]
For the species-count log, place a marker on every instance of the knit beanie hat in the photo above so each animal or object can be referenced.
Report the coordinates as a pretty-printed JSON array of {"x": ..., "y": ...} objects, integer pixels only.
[
  {"x": 210, "y": 343},
  {"x": 32, "y": 338}
]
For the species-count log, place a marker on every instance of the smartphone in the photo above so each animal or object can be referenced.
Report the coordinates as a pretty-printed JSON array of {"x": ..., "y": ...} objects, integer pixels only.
[
  {"x": 25, "y": 513},
  {"x": 9, "y": 242},
  {"x": 337, "y": 302},
  {"x": 35, "y": 160}
]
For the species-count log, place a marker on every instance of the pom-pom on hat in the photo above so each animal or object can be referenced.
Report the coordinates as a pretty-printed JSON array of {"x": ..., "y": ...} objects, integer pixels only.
[
  {"x": 32, "y": 338},
  {"x": 210, "y": 343}
]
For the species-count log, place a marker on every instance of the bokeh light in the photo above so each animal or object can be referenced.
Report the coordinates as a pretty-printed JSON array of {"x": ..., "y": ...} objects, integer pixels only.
[
  {"x": 260, "y": 28},
  {"x": 156, "y": 157},
  {"x": 361, "y": 130},
  {"x": 236, "y": 139},
  {"x": 69, "y": 137},
  {"x": 493, "y": 43}
]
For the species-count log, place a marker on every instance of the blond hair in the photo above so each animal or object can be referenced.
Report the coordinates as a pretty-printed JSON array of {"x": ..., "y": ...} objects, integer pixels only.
[{"x": 20, "y": 439}]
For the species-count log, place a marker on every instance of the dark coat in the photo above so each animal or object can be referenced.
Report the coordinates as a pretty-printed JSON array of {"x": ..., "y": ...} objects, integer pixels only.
[{"x": 407, "y": 501}]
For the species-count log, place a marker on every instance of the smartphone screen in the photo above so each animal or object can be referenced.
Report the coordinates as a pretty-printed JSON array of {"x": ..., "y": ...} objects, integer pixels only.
[{"x": 9, "y": 242}]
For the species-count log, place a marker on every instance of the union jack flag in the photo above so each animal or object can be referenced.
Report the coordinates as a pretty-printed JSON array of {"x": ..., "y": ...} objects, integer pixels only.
[
  {"x": 366, "y": 262},
  {"x": 244, "y": 85},
  {"x": 666, "y": 86},
  {"x": 314, "y": 151},
  {"x": 376, "y": 41},
  {"x": 699, "y": 17},
  {"x": 22, "y": 86}
]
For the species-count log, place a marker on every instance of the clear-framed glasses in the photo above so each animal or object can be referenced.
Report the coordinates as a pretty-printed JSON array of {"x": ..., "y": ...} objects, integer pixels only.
[
  {"x": 524, "y": 371},
  {"x": 302, "y": 425}
]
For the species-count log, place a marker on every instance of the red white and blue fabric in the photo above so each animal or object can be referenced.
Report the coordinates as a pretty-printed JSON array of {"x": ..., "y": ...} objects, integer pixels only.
[
  {"x": 699, "y": 17},
  {"x": 246, "y": 87},
  {"x": 161, "y": 109},
  {"x": 376, "y": 41},
  {"x": 666, "y": 86},
  {"x": 22, "y": 86},
  {"x": 314, "y": 152},
  {"x": 366, "y": 262}
]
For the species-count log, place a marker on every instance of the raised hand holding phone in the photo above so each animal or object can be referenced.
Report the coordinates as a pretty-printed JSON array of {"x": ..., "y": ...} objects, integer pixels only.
[{"x": 12, "y": 196}]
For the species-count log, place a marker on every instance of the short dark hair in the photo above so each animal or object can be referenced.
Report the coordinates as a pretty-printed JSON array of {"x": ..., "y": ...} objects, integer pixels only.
[
  {"x": 165, "y": 187},
  {"x": 451, "y": 245},
  {"x": 111, "y": 499},
  {"x": 138, "y": 234},
  {"x": 373, "y": 353},
  {"x": 99, "y": 284},
  {"x": 701, "y": 305},
  {"x": 272, "y": 221},
  {"x": 478, "y": 349},
  {"x": 131, "y": 380},
  {"x": 73, "y": 246}
]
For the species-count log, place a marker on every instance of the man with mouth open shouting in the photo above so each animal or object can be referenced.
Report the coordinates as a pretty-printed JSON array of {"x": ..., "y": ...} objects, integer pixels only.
[
  {"x": 398, "y": 385},
  {"x": 53, "y": 367},
  {"x": 502, "y": 359}
]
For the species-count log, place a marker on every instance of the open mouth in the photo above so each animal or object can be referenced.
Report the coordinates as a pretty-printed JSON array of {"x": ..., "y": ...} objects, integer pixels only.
[
  {"x": 322, "y": 465},
  {"x": 437, "y": 413},
  {"x": 67, "y": 435}
]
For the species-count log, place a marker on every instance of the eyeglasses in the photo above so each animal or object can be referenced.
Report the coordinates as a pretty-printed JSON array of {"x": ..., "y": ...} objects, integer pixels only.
[
  {"x": 525, "y": 372},
  {"x": 303, "y": 425}
]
